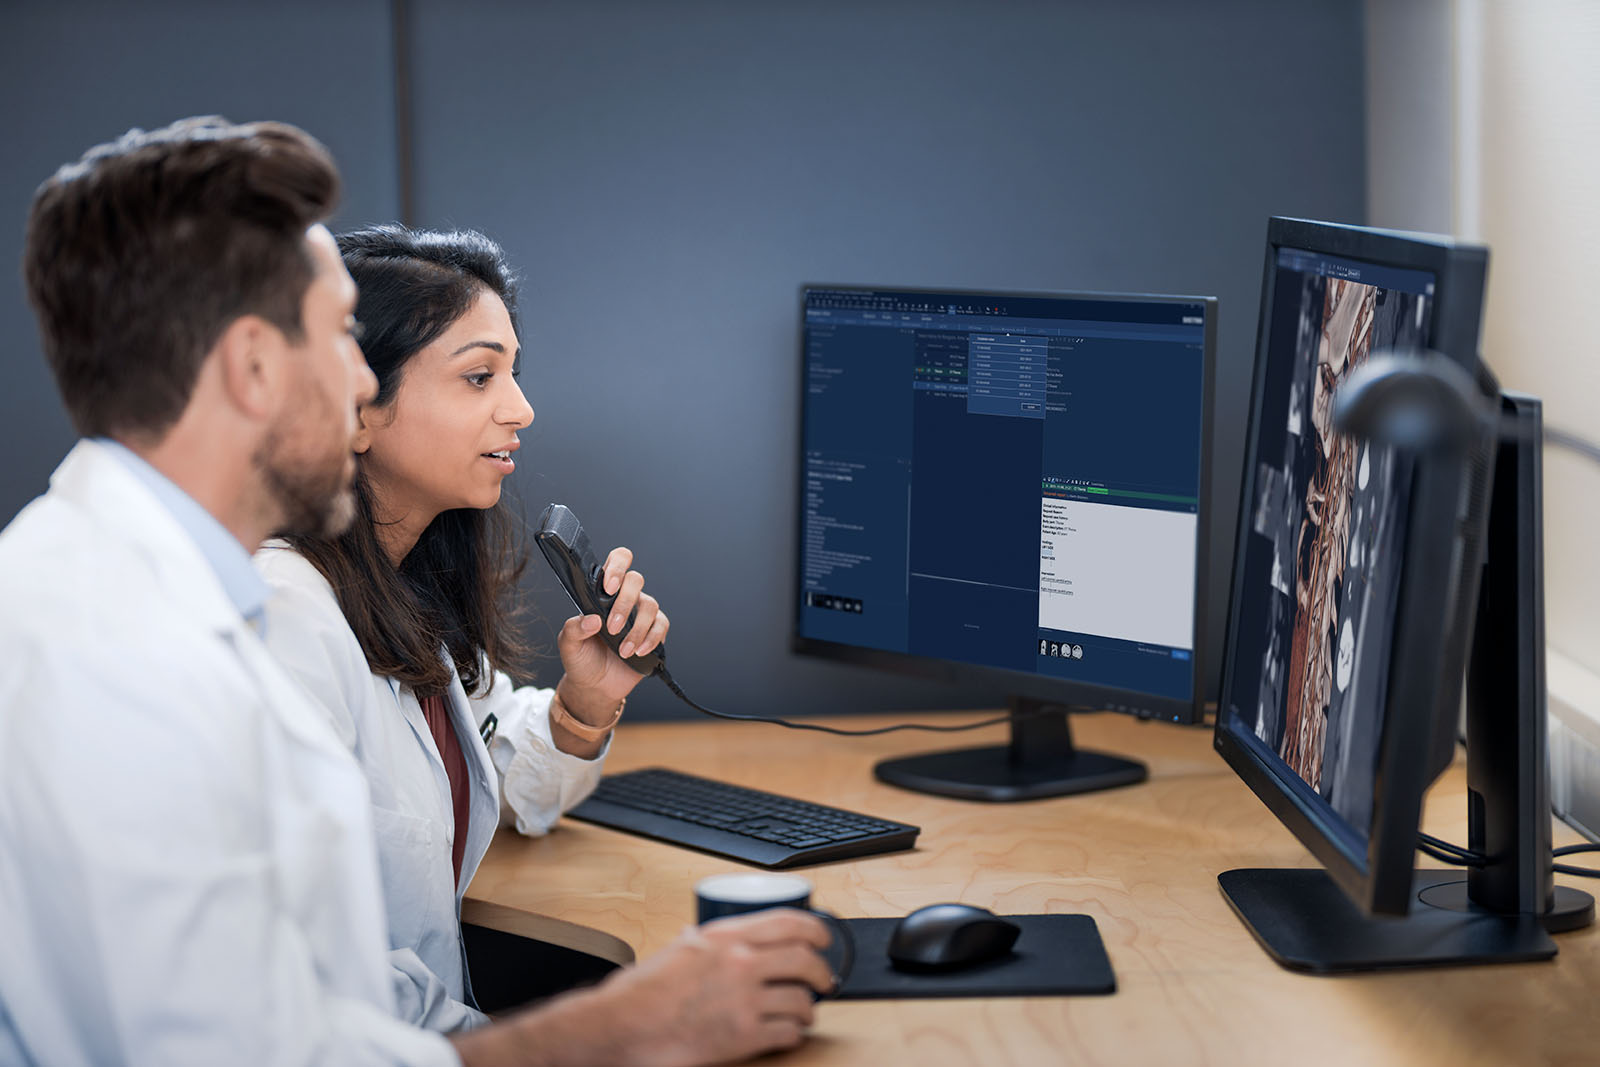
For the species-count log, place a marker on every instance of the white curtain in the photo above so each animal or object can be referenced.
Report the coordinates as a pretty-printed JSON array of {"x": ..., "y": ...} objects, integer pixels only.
[
  {"x": 1532, "y": 138},
  {"x": 1483, "y": 120}
]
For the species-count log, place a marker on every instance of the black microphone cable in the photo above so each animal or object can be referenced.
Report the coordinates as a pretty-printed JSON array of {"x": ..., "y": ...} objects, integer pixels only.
[{"x": 666, "y": 676}]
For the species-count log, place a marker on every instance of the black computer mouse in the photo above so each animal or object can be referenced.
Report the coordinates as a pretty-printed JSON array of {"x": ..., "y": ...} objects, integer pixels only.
[{"x": 948, "y": 937}]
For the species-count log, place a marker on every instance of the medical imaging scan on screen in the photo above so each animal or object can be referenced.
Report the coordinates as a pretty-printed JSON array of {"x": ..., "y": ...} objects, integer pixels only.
[{"x": 1326, "y": 529}]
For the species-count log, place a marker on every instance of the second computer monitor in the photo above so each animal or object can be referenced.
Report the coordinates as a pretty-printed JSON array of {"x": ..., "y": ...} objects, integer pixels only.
[
  {"x": 1007, "y": 489},
  {"x": 1355, "y": 579}
]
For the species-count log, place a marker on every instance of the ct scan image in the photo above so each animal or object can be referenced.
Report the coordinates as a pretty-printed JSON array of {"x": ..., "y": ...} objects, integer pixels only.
[{"x": 1326, "y": 539}]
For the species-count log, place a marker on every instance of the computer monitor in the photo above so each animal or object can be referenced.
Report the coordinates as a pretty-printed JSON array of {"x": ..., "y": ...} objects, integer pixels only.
[
  {"x": 1009, "y": 490},
  {"x": 1355, "y": 588}
]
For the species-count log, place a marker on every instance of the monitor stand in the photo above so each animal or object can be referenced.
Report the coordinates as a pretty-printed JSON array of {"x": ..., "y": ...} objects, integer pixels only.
[
  {"x": 1040, "y": 761},
  {"x": 1504, "y": 911},
  {"x": 1306, "y": 923}
]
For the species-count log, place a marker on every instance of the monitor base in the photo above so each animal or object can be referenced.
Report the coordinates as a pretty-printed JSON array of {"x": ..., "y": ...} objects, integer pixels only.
[
  {"x": 1305, "y": 922},
  {"x": 1570, "y": 909},
  {"x": 1040, "y": 761}
]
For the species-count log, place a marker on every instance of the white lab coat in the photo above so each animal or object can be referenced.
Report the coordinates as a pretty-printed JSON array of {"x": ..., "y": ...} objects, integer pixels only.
[
  {"x": 187, "y": 873},
  {"x": 381, "y": 722}
]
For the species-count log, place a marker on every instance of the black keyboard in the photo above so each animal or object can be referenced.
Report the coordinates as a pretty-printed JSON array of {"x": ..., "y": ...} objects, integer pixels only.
[{"x": 749, "y": 825}]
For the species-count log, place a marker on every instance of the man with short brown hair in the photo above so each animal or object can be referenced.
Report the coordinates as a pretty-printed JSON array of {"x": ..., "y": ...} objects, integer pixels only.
[{"x": 187, "y": 866}]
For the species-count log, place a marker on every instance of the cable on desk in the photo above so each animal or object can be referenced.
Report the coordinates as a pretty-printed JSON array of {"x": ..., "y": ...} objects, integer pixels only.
[
  {"x": 1581, "y": 872},
  {"x": 929, "y": 727},
  {"x": 1445, "y": 852},
  {"x": 1572, "y": 850}
]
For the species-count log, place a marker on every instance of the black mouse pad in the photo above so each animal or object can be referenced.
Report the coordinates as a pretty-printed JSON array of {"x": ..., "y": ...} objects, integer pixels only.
[{"x": 1054, "y": 955}]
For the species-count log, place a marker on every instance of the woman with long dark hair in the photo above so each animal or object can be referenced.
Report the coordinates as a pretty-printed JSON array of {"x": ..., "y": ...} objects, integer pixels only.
[{"x": 403, "y": 627}]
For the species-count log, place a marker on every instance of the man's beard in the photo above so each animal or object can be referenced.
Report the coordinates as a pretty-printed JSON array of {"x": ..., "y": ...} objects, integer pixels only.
[{"x": 313, "y": 493}]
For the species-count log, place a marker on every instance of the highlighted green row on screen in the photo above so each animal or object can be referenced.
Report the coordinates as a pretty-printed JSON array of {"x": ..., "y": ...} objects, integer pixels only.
[{"x": 1099, "y": 490}]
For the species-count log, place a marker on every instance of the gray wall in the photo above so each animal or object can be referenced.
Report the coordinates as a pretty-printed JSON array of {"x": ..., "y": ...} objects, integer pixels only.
[
  {"x": 667, "y": 175},
  {"x": 76, "y": 73},
  {"x": 1412, "y": 73}
]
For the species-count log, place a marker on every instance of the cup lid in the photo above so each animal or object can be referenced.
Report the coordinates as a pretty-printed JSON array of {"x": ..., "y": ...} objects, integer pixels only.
[{"x": 752, "y": 887}]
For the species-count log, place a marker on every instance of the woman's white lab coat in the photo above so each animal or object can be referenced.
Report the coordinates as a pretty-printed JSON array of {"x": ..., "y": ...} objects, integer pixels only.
[{"x": 381, "y": 722}]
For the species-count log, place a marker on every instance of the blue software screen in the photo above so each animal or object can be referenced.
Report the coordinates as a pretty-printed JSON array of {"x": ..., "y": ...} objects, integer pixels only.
[{"x": 1004, "y": 480}]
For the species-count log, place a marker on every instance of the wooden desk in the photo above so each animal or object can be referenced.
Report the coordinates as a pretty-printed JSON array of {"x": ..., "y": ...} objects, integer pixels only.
[{"x": 1193, "y": 986}]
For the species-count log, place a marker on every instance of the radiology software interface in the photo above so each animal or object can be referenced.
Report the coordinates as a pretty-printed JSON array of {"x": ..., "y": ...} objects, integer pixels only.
[
  {"x": 1326, "y": 531},
  {"x": 1010, "y": 481}
]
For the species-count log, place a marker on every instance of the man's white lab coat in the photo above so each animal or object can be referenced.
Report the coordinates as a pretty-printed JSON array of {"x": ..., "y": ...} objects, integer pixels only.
[{"x": 187, "y": 870}]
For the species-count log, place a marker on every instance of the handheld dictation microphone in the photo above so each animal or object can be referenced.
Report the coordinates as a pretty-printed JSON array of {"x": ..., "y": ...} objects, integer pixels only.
[{"x": 566, "y": 546}]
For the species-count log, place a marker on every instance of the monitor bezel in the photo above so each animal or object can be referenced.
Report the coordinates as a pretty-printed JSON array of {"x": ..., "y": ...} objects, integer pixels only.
[
  {"x": 1007, "y": 683},
  {"x": 1409, "y": 744}
]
